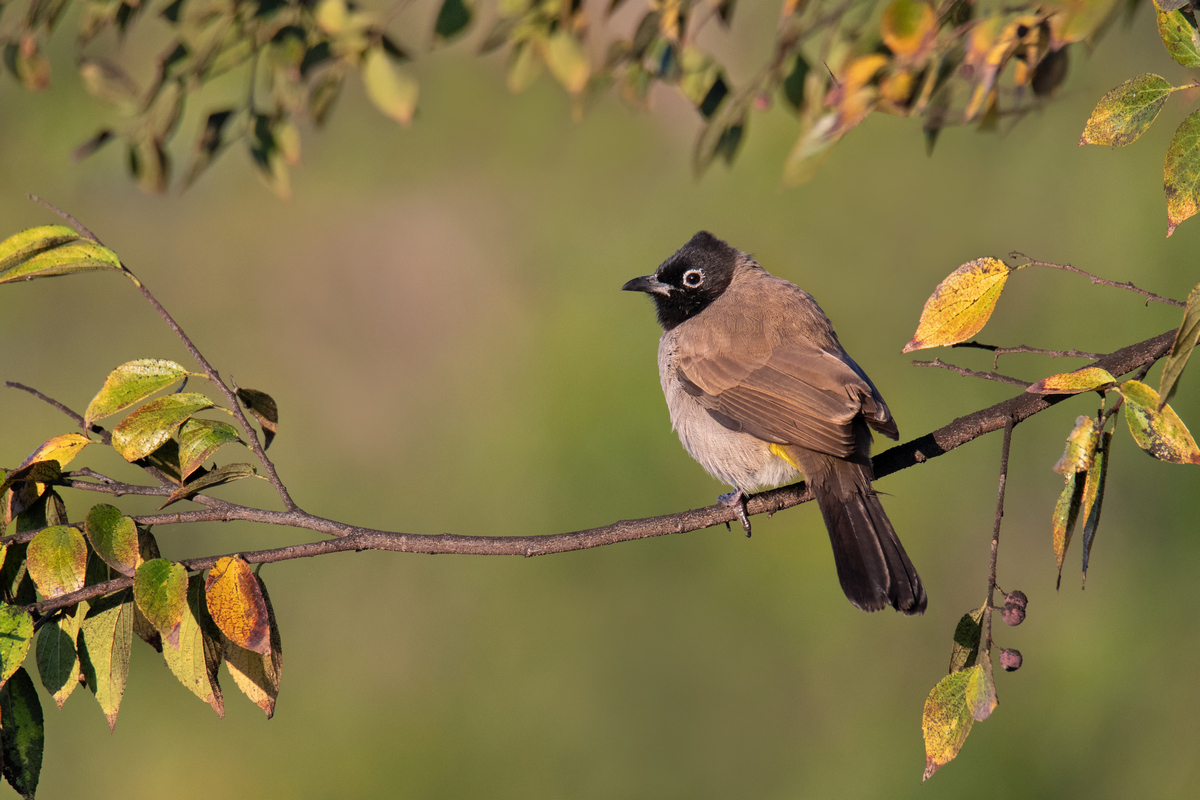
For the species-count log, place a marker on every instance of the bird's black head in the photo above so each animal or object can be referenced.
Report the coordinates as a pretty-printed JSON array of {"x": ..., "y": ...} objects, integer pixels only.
[{"x": 687, "y": 282}]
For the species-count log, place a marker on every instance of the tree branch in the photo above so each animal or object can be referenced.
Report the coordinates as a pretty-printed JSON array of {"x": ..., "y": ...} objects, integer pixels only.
[{"x": 350, "y": 537}]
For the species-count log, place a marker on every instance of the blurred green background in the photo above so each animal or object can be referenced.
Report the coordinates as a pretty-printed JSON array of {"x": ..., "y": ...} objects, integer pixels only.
[{"x": 437, "y": 313}]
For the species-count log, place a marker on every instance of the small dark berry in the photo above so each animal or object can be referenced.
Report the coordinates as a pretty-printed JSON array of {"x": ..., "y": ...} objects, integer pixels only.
[
  {"x": 1010, "y": 659},
  {"x": 1017, "y": 598},
  {"x": 1013, "y": 614}
]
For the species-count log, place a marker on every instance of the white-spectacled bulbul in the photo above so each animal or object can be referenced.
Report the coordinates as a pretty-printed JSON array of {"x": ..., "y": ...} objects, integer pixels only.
[{"x": 760, "y": 390}]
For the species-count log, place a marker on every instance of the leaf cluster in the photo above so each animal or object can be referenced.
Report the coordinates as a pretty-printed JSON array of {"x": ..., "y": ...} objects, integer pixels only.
[{"x": 830, "y": 62}]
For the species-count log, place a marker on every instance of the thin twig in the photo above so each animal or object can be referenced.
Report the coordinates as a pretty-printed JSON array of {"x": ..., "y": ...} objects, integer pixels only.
[
  {"x": 74, "y": 223},
  {"x": 1095, "y": 279},
  {"x": 1024, "y": 348},
  {"x": 991, "y": 591},
  {"x": 209, "y": 370},
  {"x": 970, "y": 373}
]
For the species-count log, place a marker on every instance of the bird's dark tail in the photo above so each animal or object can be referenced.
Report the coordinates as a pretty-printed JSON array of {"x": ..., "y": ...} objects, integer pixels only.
[{"x": 871, "y": 563}]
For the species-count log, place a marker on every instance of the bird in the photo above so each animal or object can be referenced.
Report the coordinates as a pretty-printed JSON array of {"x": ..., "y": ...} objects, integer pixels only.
[{"x": 760, "y": 391}]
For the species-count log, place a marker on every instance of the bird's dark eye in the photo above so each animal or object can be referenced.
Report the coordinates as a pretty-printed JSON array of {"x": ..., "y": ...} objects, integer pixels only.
[{"x": 693, "y": 278}]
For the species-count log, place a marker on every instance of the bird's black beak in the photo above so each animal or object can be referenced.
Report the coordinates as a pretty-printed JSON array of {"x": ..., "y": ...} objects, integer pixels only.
[{"x": 650, "y": 284}]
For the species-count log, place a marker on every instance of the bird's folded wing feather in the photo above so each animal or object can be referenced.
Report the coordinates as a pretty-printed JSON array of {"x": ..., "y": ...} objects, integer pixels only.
[{"x": 796, "y": 394}]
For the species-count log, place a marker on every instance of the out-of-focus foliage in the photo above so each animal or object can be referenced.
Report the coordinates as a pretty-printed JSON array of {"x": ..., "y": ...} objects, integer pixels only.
[{"x": 832, "y": 63}]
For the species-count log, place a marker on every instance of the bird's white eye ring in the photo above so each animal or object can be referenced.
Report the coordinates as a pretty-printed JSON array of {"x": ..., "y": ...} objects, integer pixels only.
[{"x": 693, "y": 278}]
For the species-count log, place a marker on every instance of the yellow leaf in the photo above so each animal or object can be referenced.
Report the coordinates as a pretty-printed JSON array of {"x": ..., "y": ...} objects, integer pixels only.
[
  {"x": 62, "y": 449},
  {"x": 1081, "y": 446},
  {"x": 947, "y": 719},
  {"x": 907, "y": 26},
  {"x": 567, "y": 60},
  {"x": 393, "y": 90},
  {"x": 1162, "y": 434},
  {"x": 961, "y": 305},
  {"x": 1088, "y": 379}
]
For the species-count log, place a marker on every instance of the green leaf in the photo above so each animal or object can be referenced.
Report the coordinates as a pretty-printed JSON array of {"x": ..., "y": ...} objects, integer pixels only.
[
  {"x": 961, "y": 305},
  {"x": 258, "y": 675},
  {"x": 967, "y": 635},
  {"x": 57, "y": 656},
  {"x": 392, "y": 89},
  {"x": 1160, "y": 433},
  {"x": 148, "y": 428},
  {"x": 1081, "y": 446},
  {"x": 568, "y": 61},
  {"x": 209, "y": 143},
  {"x": 1181, "y": 350},
  {"x": 453, "y": 18},
  {"x": 131, "y": 383},
  {"x": 523, "y": 64},
  {"x": 723, "y": 132},
  {"x": 1066, "y": 511},
  {"x": 1088, "y": 379},
  {"x": 199, "y": 439},
  {"x": 1093, "y": 497},
  {"x": 51, "y": 250},
  {"x": 113, "y": 536},
  {"x": 1181, "y": 172},
  {"x": 793, "y": 84},
  {"x": 105, "y": 640},
  {"x": 16, "y": 634},
  {"x": 1126, "y": 112},
  {"x": 1179, "y": 37},
  {"x": 57, "y": 560},
  {"x": 160, "y": 591},
  {"x": 947, "y": 718},
  {"x": 221, "y": 475},
  {"x": 22, "y": 735},
  {"x": 196, "y": 661},
  {"x": 264, "y": 409}
]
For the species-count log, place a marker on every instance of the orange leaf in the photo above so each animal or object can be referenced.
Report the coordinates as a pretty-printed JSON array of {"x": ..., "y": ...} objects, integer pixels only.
[{"x": 236, "y": 604}]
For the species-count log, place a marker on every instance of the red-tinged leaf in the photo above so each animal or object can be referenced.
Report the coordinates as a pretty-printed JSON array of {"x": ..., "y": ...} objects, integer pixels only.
[
  {"x": 58, "y": 657},
  {"x": 148, "y": 428},
  {"x": 264, "y": 409},
  {"x": 1181, "y": 172},
  {"x": 1162, "y": 434},
  {"x": 57, "y": 558},
  {"x": 1126, "y": 112},
  {"x": 62, "y": 449},
  {"x": 221, "y": 475},
  {"x": 199, "y": 439},
  {"x": 1066, "y": 510},
  {"x": 237, "y": 606},
  {"x": 257, "y": 675},
  {"x": 1181, "y": 350},
  {"x": 1081, "y": 446},
  {"x": 160, "y": 591},
  {"x": 947, "y": 719},
  {"x": 981, "y": 691},
  {"x": 105, "y": 640},
  {"x": 1179, "y": 37},
  {"x": 196, "y": 661},
  {"x": 130, "y": 384},
  {"x": 16, "y": 634},
  {"x": 114, "y": 537},
  {"x": 967, "y": 635},
  {"x": 961, "y": 305},
  {"x": 1093, "y": 498},
  {"x": 1088, "y": 379},
  {"x": 22, "y": 734}
]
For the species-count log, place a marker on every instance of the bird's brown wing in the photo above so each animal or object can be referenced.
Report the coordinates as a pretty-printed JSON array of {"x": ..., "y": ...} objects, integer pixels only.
[{"x": 797, "y": 393}]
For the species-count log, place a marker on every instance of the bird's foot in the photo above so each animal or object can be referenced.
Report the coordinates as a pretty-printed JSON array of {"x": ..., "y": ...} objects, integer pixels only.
[{"x": 737, "y": 500}]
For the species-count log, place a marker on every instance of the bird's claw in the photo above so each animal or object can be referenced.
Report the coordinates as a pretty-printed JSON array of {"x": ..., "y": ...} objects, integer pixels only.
[{"x": 737, "y": 500}]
